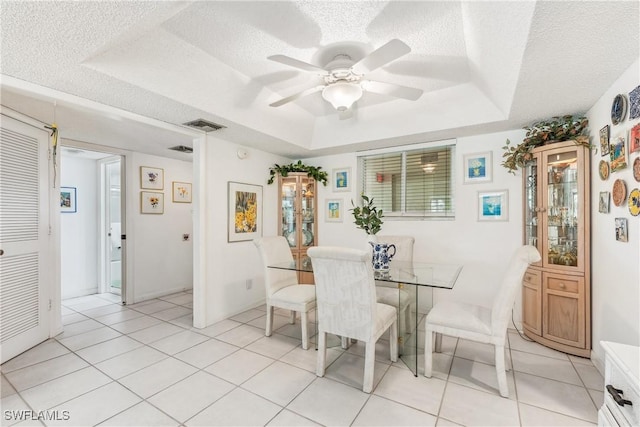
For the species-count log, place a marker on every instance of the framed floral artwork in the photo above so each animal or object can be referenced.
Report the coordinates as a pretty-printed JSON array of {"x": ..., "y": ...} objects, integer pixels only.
[
  {"x": 341, "y": 179},
  {"x": 151, "y": 178},
  {"x": 604, "y": 140},
  {"x": 618, "y": 154},
  {"x": 151, "y": 202},
  {"x": 477, "y": 167},
  {"x": 181, "y": 192},
  {"x": 334, "y": 210},
  {"x": 68, "y": 200},
  {"x": 493, "y": 205},
  {"x": 245, "y": 212}
]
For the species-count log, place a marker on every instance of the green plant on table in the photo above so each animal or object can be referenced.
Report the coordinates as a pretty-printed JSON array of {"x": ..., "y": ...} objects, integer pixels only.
[{"x": 367, "y": 216}]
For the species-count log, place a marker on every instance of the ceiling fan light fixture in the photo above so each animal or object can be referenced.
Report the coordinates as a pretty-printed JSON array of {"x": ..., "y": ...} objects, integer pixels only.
[{"x": 342, "y": 94}]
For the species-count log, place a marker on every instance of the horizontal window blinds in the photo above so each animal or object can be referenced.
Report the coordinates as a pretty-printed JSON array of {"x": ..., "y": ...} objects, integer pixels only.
[{"x": 411, "y": 183}]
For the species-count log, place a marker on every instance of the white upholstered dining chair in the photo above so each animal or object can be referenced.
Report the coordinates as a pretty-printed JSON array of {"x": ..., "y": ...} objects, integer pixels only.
[
  {"x": 389, "y": 293},
  {"x": 481, "y": 324},
  {"x": 282, "y": 287},
  {"x": 346, "y": 299}
]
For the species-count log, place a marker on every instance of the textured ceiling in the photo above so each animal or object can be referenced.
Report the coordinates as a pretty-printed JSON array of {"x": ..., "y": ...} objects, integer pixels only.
[{"x": 484, "y": 66}]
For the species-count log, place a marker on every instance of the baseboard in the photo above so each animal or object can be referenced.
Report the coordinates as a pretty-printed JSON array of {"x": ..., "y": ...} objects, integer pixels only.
[
  {"x": 158, "y": 294},
  {"x": 79, "y": 293}
]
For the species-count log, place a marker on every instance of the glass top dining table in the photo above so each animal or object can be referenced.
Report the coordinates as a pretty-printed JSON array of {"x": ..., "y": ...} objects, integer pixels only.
[{"x": 412, "y": 279}]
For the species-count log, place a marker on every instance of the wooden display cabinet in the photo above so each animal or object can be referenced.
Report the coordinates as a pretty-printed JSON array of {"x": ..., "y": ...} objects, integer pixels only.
[
  {"x": 556, "y": 292},
  {"x": 298, "y": 216}
]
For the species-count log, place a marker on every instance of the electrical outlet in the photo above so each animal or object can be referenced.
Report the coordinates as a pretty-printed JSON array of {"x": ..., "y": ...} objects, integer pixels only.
[{"x": 249, "y": 284}]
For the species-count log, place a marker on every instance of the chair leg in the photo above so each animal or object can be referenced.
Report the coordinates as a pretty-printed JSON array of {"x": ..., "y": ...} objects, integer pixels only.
[
  {"x": 344, "y": 342},
  {"x": 305, "y": 332},
  {"x": 502, "y": 375},
  {"x": 322, "y": 353},
  {"x": 292, "y": 317},
  {"x": 393, "y": 342},
  {"x": 428, "y": 352},
  {"x": 438, "y": 345},
  {"x": 369, "y": 362},
  {"x": 507, "y": 359},
  {"x": 269, "y": 326}
]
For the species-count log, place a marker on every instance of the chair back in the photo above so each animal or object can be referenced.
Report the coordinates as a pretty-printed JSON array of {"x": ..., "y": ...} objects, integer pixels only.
[
  {"x": 403, "y": 244},
  {"x": 511, "y": 282},
  {"x": 275, "y": 250},
  {"x": 345, "y": 291}
]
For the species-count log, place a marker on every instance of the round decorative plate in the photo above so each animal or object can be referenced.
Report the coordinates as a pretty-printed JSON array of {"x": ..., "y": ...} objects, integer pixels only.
[
  {"x": 618, "y": 109},
  {"x": 634, "y": 202},
  {"x": 636, "y": 169},
  {"x": 291, "y": 238},
  {"x": 619, "y": 193},
  {"x": 603, "y": 169},
  {"x": 307, "y": 237}
]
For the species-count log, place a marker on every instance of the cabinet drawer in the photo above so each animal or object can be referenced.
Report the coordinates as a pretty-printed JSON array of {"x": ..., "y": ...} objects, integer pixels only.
[
  {"x": 532, "y": 277},
  {"x": 565, "y": 284}
]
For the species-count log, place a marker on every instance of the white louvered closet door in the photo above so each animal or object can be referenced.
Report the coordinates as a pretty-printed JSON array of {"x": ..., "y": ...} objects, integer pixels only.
[{"x": 24, "y": 229}]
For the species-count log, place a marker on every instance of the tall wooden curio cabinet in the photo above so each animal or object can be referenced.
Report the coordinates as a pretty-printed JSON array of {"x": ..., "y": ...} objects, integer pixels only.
[
  {"x": 298, "y": 216},
  {"x": 556, "y": 293}
]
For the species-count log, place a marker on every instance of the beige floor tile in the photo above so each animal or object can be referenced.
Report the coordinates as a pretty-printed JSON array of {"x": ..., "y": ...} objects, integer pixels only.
[
  {"x": 108, "y": 349},
  {"x": 279, "y": 382},
  {"x": 218, "y": 328},
  {"x": 383, "y": 412},
  {"x": 516, "y": 342},
  {"x": 401, "y": 386},
  {"x": 89, "y": 338},
  {"x": 172, "y": 313},
  {"x": 590, "y": 376},
  {"x": 206, "y": 353},
  {"x": 241, "y": 336},
  {"x": 287, "y": 418},
  {"x": 239, "y": 366},
  {"x": 152, "y": 307},
  {"x": 43, "y": 351},
  {"x": 274, "y": 346},
  {"x": 247, "y": 316},
  {"x": 178, "y": 342},
  {"x": 136, "y": 324},
  {"x": 142, "y": 414},
  {"x": 479, "y": 376},
  {"x": 532, "y": 416},
  {"x": 472, "y": 407},
  {"x": 155, "y": 378},
  {"x": 130, "y": 362},
  {"x": 156, "y": 332},
  {"x": 349, "y": 369},
  {"x": 118, "y": 317},
  {"x": 48, "y": 370},
  {"x": 306, "y": 359},
  {"x": 233, "y": 409},
  {"x": 542, "y": 366}
]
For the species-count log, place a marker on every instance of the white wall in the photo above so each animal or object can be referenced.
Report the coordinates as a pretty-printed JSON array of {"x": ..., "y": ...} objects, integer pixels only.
[
  {"x": 162, "y": 260},
  {"x": 79, "y": 230},
  {"x": 615, "y": 276}
]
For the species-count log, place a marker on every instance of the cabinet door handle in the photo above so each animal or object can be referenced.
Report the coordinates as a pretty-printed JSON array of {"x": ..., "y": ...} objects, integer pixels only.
[
  {"x": 615, "y": 393},
  {"x": 562, "y": 285},
  {"x": 528, "y": 278}
]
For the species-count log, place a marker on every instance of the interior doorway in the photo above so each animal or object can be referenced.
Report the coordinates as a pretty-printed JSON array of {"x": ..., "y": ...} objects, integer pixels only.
[{"x": 93, "y": 235}]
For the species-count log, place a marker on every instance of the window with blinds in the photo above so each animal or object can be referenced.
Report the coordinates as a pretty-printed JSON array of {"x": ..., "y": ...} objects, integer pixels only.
[{"x": 411, "y": 183}]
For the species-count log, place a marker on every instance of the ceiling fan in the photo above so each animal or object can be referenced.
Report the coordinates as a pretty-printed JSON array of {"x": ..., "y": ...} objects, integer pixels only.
[{"x": 344, "y": 81}]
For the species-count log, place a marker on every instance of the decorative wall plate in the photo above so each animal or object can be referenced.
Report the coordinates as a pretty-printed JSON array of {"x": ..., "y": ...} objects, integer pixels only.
[
  {"x": 634, "y": 202},
  {"x": 619, "y": 193},
  {"x": 618, "y": 109},
  {"x": 636, "y": 169},
  {"x": 603, "y": 170}
]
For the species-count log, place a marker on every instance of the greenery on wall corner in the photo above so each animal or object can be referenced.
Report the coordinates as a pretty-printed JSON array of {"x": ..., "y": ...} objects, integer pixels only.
[
  {"x": 556, "y": 129},
  {"x": 367, "y": 217},
  {"x": 314, "y": 172}
]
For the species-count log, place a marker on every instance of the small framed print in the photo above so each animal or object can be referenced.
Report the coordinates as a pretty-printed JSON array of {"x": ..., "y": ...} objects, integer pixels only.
[
  {"x": 68, "y": 200},
  {"x": 604, "y": 202},
  {"x": 493, "y": 205},
  {"x": 151, "y": 202},
  {"x": 151, "y": 178},
  {"x": 634, "y": 139},
  {"x": 477, "y": 167},
  {"x": 245, "y": 212},
  {"x": 604, "y": 141},
  {"x": 341, "y": 179},
  {"x": 334, "y": 210},
  {"x": 618, "y": 154},
  {"x": 621, "y": 230},
  {"x": 181, "y": 192}
]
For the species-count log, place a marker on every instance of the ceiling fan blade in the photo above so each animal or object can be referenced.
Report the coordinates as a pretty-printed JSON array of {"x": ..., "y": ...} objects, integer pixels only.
[
  {"x": 394, "y": 90},
  {"x": 297, "y": 95},
  {"x": 296, "y": 63},
  {"x": 386, "y": 53}
]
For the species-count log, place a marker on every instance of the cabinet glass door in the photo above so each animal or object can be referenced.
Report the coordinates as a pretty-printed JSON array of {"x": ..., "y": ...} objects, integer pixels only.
[
  {"x": 531, "y": 207},
  {"x": 562, "y": 208},
  {"x": 307, "y": 212},
  {"x": 289, "y": 210}
]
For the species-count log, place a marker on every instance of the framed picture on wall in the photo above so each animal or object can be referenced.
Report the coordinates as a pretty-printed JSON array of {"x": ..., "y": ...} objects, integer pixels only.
[
  {"x": 341, "y": 179},
  {"x": 634, "y": 139},
  {"x": 151, "y": 178},
  {"x": 181, "y": 192},
  {"x": 604, "y": 140},
  {"x": 621, "y": 230},
  {"x": 618, "y": 154},
  {"x": 334, "y": 210},
  {"x": 477, "y": 167},
  {"x": 245, "y": 212},
  {"x": 151, "y": 202},
  {"x": 68, "y": 200},
  {"x": 604, "y": 202},
  {"x": 493, "y": 205}
]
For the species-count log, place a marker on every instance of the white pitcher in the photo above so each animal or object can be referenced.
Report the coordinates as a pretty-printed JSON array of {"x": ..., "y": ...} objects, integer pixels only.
[{"x": 382, "y": 255}]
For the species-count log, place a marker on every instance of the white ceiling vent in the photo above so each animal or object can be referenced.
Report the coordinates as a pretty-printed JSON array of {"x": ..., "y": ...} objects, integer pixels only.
[
  {"x": 182, "y": 149},
  {"x": 204, "y": 125}
]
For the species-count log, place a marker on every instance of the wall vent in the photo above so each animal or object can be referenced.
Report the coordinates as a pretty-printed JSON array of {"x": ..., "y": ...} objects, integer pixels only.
[
  {"x": 182, "y": 149},
  {"x": 204, "y": 125}
]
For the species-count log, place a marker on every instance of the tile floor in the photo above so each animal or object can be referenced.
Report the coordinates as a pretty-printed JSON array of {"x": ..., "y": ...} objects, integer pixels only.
[{"x": 145, "y": 365}]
